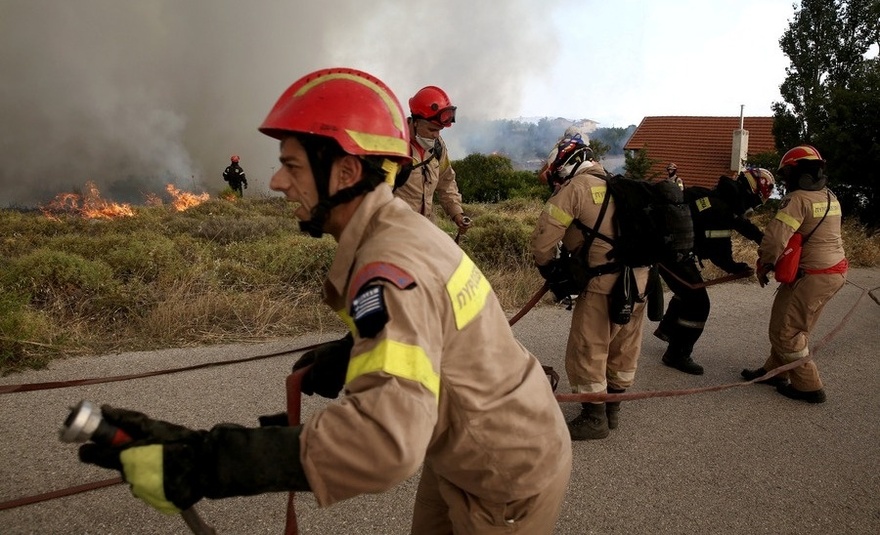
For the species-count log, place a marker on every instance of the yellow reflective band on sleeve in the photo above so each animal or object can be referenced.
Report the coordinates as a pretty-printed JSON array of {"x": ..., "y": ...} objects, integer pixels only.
[
  {"x": 347, "y": 319},
  {"x": 376, "y": 143},
  {"x": 703, "y": 203},
  {"x": 820, "y": 207},
  {"x": 598, "y": 194},
  {"x": 143, "y": 472},
  {"x": 558, "y": 214},
  {"x": 467, "y": 289},
  {"x": 788, "y": 220},
  {"x": 718, "y": 234},
  {"x": 397, "y": 359}
]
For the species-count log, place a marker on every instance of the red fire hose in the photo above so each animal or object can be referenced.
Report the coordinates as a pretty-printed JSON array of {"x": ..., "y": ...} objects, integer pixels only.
[{"x": 294, "y": 409}]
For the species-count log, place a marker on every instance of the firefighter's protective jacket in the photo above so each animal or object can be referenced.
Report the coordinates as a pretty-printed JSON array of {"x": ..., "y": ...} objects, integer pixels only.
[
  {"x": 437, "y": 175},
  {"x": 580, "y": 198},
  {"x": 801, "y": 211},
  {"x": 716, "y": 213},
  {"x": 443, "y": 382}
]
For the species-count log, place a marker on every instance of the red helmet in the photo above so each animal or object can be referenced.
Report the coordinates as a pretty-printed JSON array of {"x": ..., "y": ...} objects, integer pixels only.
[
  {"x": 234, "y": 158},
  {"x": 799, "y": 153},
  {"x": 350, "y": 106},
  {"x": 432, "y": 104},
  {"x": 760, "y": 181}
]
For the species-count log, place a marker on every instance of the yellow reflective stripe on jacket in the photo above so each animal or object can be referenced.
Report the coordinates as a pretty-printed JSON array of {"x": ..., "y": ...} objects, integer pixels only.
[
  {"x": 347, "y": 319},
  {"x": 558, "y": 214},
  {"x": 598, "y": 194},
  {"x": 467, "y": 290},
  {"x": 718, "y": 234},
  {"x": 703, "y": 203},
  {"x": 142, "y": 467},
  {"x": 397, "y": 359},
  {"x": 788, "y": 220},
  {"x": 820, "y": 207}
]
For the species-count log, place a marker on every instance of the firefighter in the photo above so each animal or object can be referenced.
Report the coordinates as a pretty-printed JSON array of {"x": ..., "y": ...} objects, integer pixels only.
[
  {"x": 811, "y": 210},
  {"x": 716, "y": 213},
  {"x": 601, "y": 356},
  {"x": 432, "y": 374},
  {"x": 672, "y": 175},
  {"x": 234, "y": 175},
  {"x": 430, "y": 112}
]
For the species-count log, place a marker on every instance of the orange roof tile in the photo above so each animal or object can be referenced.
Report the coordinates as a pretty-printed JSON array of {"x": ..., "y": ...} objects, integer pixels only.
[{"x": 699, "y": 146}]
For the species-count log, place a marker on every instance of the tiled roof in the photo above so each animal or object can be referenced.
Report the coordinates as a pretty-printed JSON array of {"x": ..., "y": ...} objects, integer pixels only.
[{"x": 699, "y": 146}]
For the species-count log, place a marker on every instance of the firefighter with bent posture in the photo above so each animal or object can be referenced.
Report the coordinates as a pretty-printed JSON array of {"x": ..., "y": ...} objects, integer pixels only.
[
  {"x": 431, "y": 372},
  {"x": 601, "y": 356},
  {"x": 716, "y": 213},
  {"x": 811, "y": 211},
  {"x": 431, "y": 172}
]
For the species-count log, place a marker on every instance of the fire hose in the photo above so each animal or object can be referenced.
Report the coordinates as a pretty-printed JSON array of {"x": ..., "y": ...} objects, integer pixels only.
[{"x": 294, "y": 381}]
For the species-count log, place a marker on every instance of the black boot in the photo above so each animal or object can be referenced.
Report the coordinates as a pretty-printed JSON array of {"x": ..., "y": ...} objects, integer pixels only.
[
  {"x": 681, "y": 362},
  {"x": 812, "y": 396},
  {"x": 776, "y": 380},
  {"x": 612, "y": 409},
  {"x": 590, "y": 424}
]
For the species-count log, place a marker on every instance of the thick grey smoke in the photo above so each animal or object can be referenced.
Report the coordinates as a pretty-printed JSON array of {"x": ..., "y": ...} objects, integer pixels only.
[{"x": 136, "y": 95}]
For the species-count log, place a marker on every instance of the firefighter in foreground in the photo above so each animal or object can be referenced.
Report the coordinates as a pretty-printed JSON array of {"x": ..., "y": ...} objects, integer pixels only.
[
  {"x": 430, "y": 112},
  {"x": 601, "y": 356},
  {"x": 716, "y": 213},
  {"x": 431, "y": 371},
  {"x": 812, "y": 211},
  {"x": 234, "y": 175}
]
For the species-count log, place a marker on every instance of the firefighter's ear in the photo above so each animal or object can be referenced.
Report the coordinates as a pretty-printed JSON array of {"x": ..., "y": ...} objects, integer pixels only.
[{"x": 347, "y": 171}]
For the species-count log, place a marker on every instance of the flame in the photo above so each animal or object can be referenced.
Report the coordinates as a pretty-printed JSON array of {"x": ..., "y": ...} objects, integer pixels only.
[
  {"x": 182, "y": 200},
  {"x": 89, "y": 205}
]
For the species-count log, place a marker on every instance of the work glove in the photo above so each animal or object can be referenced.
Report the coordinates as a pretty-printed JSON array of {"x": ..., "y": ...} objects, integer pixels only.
[
  {"x": 329, "y": 364},
  {"x": 172, "y": 467},
  {"x": 761, "y": 271},
  {"x": 557, "y": 278}
]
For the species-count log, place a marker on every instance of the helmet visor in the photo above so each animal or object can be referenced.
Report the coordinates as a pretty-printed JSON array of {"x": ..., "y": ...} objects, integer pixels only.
[{"x": 444, "y": 117}]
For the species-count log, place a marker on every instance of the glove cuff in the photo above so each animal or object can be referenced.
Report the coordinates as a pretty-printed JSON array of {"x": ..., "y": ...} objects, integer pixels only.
[{"x": 243, "y": 461}]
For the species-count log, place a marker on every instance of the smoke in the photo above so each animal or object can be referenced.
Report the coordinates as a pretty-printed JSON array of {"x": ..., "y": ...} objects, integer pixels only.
[{"x": 137, "y": 95}]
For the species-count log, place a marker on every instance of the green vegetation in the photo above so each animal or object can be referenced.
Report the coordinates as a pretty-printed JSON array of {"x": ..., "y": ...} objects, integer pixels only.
[
  {"x": 220, "y": 272},
  {"x": 831, "y": 97}
]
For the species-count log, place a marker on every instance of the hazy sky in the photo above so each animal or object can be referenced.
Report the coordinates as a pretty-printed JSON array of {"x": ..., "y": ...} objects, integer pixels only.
[{"x": 137, "y": 94}]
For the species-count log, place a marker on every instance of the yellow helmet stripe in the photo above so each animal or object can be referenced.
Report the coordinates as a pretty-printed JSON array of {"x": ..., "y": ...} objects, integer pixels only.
[
  {"x": 390, "y": 102},
  {"x": 377, "y": 143}
]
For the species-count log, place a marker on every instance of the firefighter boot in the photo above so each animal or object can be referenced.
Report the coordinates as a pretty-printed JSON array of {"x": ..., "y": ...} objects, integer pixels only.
[
  {"x": 777, "y": 380},
  {"x": 612, "y": 408},
  {"x": 681, "y": 361},
  {"x": 590, "y": 424}
]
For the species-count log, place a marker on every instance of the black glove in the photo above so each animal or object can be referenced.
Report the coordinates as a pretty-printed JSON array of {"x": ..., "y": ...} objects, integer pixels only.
[
  {"x": 329, "y": 364},
  {"x": 557, "y": 278},
  {"x": 172, "y": 467}
]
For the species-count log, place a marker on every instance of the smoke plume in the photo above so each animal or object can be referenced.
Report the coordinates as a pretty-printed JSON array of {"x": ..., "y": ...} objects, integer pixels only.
[{"x": 137, "y": 95}]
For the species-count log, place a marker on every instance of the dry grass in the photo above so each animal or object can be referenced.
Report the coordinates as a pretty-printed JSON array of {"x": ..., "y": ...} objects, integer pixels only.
[{"x": 223, "y": 272}]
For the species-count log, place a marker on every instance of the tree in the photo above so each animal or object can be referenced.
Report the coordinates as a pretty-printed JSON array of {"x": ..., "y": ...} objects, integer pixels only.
[
  {"x": 489, "y": 178},
  {"x": 831, "y": 97},
  {"x": 637, "y": 164}
]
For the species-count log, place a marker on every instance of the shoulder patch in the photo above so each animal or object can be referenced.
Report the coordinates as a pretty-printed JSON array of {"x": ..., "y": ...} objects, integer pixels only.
[
  {"x": 380, "y": 270},
  {"x": 368, "y": 310}
]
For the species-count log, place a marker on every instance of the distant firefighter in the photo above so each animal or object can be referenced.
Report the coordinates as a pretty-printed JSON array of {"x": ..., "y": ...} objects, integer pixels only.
[{"x": 234, "y": 174}]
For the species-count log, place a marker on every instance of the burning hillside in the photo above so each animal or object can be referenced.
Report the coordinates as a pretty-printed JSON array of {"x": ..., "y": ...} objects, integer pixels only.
[{"x": 90, "y": 204}]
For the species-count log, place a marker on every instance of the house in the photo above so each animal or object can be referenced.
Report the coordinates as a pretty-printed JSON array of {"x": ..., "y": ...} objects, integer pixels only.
[{"x": 703, "y": 148}]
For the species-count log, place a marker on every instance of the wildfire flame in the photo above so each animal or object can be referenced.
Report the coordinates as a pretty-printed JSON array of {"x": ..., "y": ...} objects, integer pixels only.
[
  {"x": 182, "y": 200},
  {"x": 90, "y": 205}
]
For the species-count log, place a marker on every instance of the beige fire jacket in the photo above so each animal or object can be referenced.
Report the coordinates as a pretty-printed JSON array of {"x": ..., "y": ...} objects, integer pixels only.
[
  {"x": 800, "y": 211},
  {"x": 580, "y": 198},
  {"x": 444, "y": 382},
  {"x": 436, "y": 175}
]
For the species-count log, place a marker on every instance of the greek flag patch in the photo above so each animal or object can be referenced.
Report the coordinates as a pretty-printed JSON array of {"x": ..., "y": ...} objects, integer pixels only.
[{"x": 368, "y": 311}]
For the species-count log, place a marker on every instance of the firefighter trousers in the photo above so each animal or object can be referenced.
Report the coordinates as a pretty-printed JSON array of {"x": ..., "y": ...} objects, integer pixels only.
[
  {"x": 442, "y": 508},
  {"x": 686, "y": 315},
  {"x": 796, "y": 308}
]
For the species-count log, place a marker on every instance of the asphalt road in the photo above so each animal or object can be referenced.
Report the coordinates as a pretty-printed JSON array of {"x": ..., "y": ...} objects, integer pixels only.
[{"x": 738, "y": 460}]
